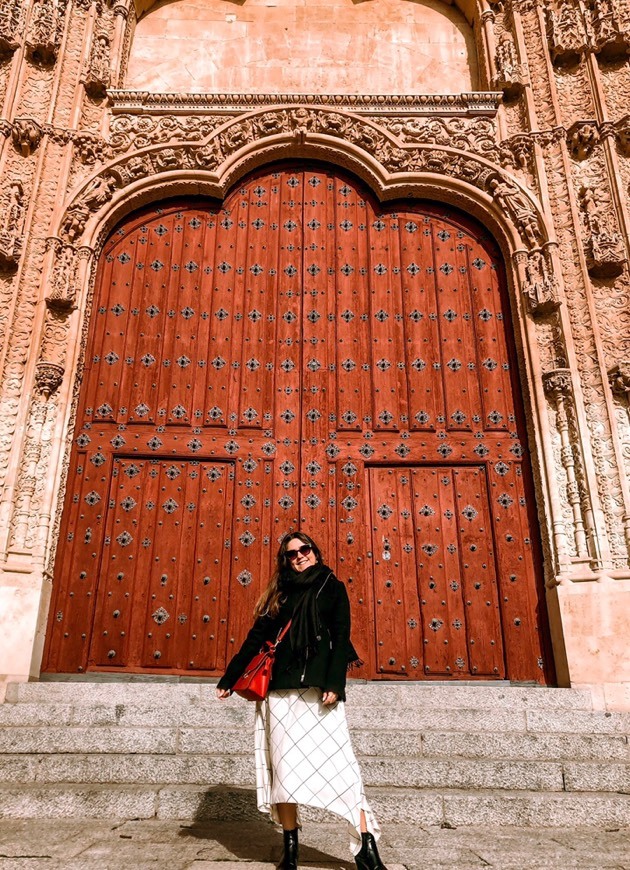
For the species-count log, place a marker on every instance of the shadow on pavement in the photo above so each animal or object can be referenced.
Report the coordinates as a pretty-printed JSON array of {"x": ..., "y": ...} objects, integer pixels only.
[{"x": 228, "y": 817}]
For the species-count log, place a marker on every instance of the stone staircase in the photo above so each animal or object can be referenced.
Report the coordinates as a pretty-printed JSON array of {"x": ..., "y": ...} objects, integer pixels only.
[{"x": 435, "y": 754}]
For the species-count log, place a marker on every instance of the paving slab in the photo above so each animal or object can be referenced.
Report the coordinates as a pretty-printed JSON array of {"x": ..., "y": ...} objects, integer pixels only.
[{"x": 256, "y": 845}]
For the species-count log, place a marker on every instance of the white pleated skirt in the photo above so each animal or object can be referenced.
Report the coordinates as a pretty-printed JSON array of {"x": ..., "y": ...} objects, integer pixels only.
[{"x": 304, "y": 756}]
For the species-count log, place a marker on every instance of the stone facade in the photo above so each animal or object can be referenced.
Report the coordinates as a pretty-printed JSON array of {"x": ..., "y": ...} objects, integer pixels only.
[{"x": 537, "y": 148}]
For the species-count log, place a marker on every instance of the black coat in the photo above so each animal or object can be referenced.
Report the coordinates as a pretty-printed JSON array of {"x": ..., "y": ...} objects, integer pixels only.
[{"x": 326, "y": 668}]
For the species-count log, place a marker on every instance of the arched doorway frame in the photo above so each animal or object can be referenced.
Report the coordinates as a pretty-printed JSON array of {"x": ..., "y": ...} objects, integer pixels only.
[{"x": 161, "y": 172}]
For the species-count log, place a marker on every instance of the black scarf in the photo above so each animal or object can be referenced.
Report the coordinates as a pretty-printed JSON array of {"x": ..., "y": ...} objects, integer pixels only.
[{"x": 306, "y": 630}]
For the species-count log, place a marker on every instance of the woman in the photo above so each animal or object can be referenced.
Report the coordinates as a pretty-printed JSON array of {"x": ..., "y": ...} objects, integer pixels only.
[{"x": 303, "y": 750}]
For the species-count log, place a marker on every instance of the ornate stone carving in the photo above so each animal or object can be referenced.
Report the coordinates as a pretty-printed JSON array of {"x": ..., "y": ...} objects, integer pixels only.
[
  {"x": 622, "y": 130},
  {"x": 467, "y": 134},
  {"x": 139, "y": 131},
  {"x": 510, "y": 75},
  {"x": 44, "y": 33},
  {"x": 48, "y": 377},
  {"x": 63, "y": 288},
  {"x": 605, "y": 250},
  {"x": 565, "y": 31},
  {"x": 11, "y": 224},
  {"x": 540, "y": 287},
  {"x": 582, "y": 137},
  {"x": 517, "y": 152},
  {"x": 11, "y": 25},
  {"x": 90, "y": 148},
  {"x": 26, "y": 135},
  {"x": 512, "y": 201},
  {"x": 98, "y": 73},
  {"x": 607, "y": 33},
  {"x": 619, "y": 379},
  {"x": 558, "y": 387}
]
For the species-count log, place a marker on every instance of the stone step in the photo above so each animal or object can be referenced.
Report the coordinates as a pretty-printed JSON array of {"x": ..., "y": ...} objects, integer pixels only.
[
  {"x": 390, "y": 695},
  {"x": 226, "y": 739},
  {"x": 237, "y": 714},
  {"x": 237, "y": 770},
  {"x": 432, "y": 807}
]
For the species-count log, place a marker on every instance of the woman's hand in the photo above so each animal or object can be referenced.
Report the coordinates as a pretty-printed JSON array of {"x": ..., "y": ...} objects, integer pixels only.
[
  {"x": 222, "y": 694},
  {"x": 329, "y": 698}
]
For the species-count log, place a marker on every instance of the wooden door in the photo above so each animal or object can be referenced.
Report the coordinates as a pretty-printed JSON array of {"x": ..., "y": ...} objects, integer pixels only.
[{"x": 286, "y": 360}]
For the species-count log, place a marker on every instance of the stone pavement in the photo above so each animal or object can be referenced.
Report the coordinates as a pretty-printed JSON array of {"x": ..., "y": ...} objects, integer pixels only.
[{"x": 152, "y": 844}]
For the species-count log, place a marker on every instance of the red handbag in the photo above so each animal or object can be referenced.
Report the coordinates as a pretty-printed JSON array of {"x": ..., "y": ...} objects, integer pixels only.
[{"x": 253, "y": 684}]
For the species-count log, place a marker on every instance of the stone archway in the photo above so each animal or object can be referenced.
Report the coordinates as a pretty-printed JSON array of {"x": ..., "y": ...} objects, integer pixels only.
[{"x": 228, "y": 356}]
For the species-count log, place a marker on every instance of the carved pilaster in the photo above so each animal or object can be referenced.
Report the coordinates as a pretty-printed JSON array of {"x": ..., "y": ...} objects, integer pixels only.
[{"x": 558, "y": 388}]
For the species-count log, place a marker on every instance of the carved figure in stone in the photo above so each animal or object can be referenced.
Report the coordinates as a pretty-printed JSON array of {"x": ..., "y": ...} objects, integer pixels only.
[
  {"x": 607, "y": 30},
  {"x": 238, "y": 135},
  {"x": 98, "y": 75},
  {"x": 334, "y": 123},
  {"x": 619, "y": 379},
  {"x": 605, "y": 251},
  {"x": 564, "y": 30},
  {"x": 63, "y": 289},
  {"x": 540, "y": 288},
  {"x": 12, "y": 223},
  {"x": 44, "y": 33},
  {"x": 89, "y": 148},
  {"x": 210, "y": 155},
  {"x": 10, "y": 25},
  {"x": 168, "y": 158},
  {"x": 125, "y": 173},
  {"x": 582, "y": 138},
  {"x": 74, "y": 222},
  {"x": 622, "y": 129},
  {"x": 516, "y": 205},
  {"x": 516, "y": 151},
  {"x": 510, "y": 74},
  {"x": 271, "y": 122},
  {"x": 26, "y": 135},
  {"x": 302, "y": 121},
  {"x": 99, "y": 191}
]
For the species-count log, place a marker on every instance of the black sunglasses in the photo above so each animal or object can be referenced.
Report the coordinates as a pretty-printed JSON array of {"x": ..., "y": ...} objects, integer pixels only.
[{"x": 304, "y": 550}]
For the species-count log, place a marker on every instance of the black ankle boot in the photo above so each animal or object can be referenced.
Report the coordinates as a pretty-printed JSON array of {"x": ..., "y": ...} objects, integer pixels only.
[
  {"x": 368, "y": 858},
  {"x": 289, "y": 860}
]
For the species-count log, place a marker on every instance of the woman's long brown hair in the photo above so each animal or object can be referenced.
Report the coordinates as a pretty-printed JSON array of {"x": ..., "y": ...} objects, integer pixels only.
[{"x": 269, "y": 602}]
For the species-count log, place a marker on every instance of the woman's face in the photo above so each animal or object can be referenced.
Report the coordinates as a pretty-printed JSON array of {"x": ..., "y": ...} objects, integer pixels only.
[{"x": 299, "y": 561}]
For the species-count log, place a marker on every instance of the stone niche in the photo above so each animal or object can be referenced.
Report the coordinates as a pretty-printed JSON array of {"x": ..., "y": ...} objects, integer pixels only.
[{"x": 303, "y": 46}]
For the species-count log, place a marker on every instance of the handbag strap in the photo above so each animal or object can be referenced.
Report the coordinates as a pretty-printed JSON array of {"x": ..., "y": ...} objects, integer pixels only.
[{"x": 282, "y": 634}]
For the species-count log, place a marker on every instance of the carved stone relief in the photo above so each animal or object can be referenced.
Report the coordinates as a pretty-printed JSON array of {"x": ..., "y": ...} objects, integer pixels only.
[
  {"x": 45, "y": 28},
  {"x": 98, "y": 72},
  {"x": 605, "y": 249},
  {"x": 11, "y": 25},
  {"x": 11, "y": 224},
  {"x": 565, "y": 31}
]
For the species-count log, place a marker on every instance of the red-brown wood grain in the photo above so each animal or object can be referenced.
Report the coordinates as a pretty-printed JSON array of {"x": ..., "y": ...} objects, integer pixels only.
[{"x": 300, "y": 357}]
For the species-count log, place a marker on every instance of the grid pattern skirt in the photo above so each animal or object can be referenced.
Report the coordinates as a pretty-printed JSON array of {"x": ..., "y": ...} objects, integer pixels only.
[{"x": 304, "y": 756}]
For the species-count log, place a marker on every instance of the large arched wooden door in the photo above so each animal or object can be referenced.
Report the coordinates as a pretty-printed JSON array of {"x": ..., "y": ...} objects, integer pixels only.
[{"x": 299, "y": 357}]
